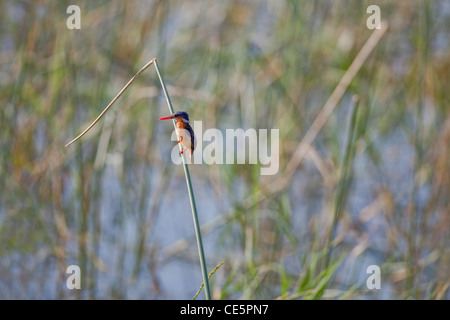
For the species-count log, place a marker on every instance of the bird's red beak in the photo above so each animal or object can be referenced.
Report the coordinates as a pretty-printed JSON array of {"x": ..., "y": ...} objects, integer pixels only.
[{"x": 166, "y": 118}]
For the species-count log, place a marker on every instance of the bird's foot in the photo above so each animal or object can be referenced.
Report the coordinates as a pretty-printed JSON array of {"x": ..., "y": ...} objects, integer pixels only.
[{"x": 181, "y": 152}]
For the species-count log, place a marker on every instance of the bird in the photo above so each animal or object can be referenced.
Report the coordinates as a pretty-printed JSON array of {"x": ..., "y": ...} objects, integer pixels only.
[{"x": 186, "y": 137}]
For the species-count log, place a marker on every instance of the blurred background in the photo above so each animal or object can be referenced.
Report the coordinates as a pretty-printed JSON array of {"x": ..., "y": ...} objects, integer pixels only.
[{"x": 373, "y": 188}]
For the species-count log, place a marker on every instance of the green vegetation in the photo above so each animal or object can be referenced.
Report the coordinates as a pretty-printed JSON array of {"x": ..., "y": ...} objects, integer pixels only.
[{"x": 369, "y": 187}]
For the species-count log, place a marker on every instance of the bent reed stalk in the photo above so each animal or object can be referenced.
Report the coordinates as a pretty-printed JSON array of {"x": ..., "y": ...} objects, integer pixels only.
[{"x": 185, "y": 166}]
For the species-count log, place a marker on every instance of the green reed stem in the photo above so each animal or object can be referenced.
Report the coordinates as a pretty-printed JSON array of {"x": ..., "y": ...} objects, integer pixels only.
[
  {"x": 191, "y": 195},
  {"x": 346, "y": 176}
]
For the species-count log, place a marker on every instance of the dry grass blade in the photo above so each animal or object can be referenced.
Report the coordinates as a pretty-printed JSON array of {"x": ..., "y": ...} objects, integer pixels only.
[
  {"x": 335, "y": 97},
  {"x": 209, "y": 277},
  {"x": 111, "y": 103}
]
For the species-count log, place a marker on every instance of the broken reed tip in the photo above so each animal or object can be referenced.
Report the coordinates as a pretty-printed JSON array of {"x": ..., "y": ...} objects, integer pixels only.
[{"x": 112, "y": 102}]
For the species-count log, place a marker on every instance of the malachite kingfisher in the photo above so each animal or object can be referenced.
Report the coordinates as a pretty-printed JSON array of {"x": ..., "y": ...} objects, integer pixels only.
[{"x": 185, "y": 133}]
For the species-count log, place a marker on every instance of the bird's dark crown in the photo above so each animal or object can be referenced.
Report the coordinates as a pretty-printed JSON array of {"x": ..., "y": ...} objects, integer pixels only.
[{"x": 181, "y": 114}]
